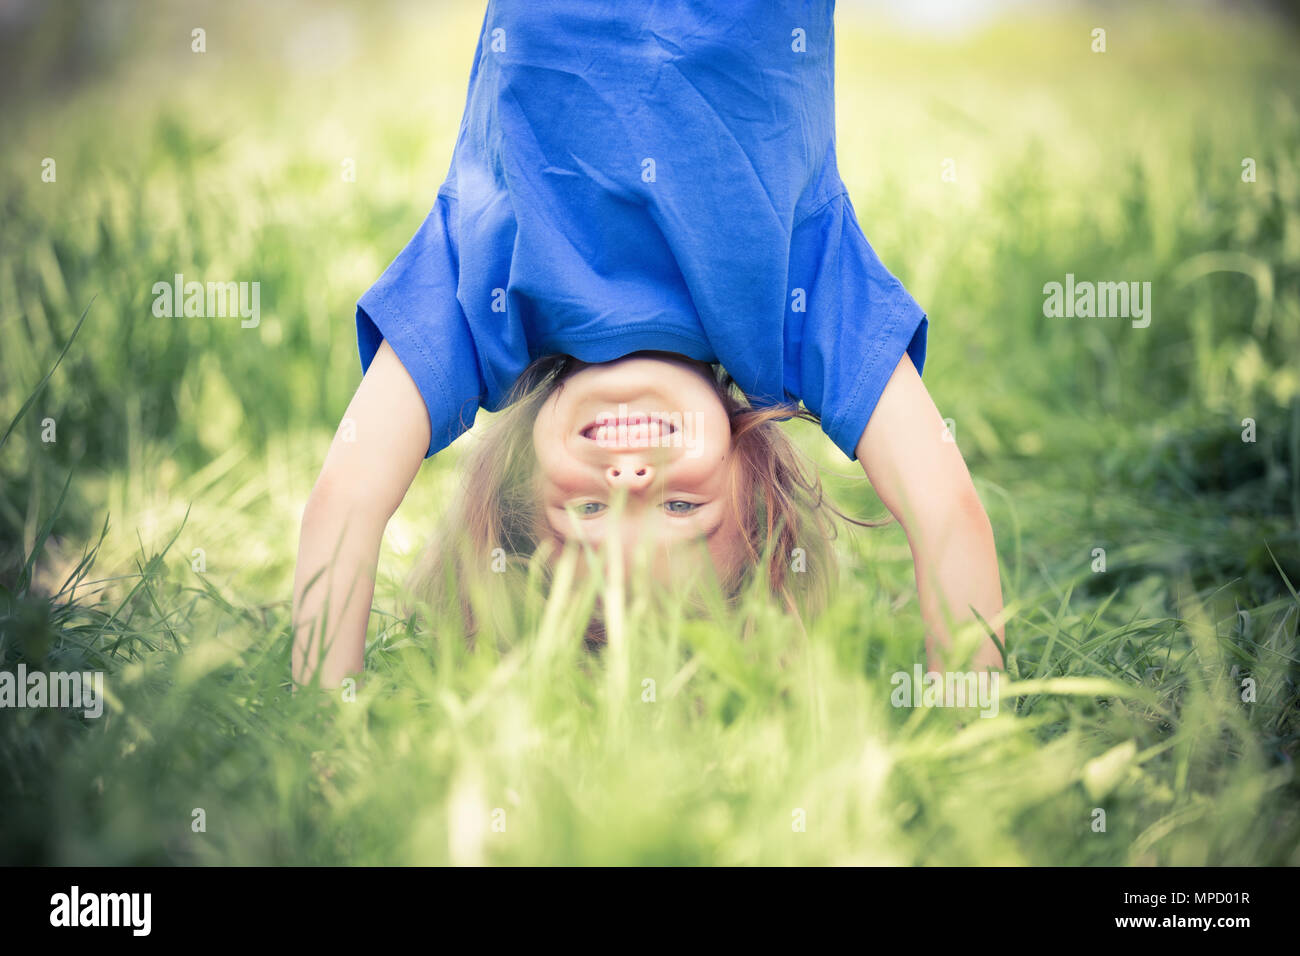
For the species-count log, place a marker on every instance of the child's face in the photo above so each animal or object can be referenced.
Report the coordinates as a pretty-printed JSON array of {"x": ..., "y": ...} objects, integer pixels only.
[{"x": 653, "y": 429}]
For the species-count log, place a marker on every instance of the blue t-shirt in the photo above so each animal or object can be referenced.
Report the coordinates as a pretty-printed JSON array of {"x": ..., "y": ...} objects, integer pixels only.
[{"x": 633, "y": 176}]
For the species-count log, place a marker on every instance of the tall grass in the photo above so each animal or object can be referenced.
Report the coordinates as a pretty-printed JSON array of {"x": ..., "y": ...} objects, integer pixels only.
[{"x": 154, "y": 538}]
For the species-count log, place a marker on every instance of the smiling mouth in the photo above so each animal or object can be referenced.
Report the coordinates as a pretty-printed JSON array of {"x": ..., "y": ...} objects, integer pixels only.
[{"x": 633, "y": 426}]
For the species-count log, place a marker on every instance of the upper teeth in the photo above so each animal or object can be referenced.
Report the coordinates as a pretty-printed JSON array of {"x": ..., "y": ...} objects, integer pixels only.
[{"x": 636, "y": 426}]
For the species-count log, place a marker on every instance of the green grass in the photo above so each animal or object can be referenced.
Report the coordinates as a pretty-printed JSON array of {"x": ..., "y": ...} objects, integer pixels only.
[{"x": 184, "y": 434}]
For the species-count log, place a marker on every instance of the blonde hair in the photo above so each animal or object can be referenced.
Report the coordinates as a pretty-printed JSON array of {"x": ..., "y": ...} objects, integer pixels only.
[{"x": 495, "y": 518}]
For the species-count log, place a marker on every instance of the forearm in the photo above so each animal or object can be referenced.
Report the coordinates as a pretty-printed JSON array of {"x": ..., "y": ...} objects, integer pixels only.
[
  {"x": 908, "y": 452},
  {"x": 334, "y": 587},
  {"x": 366, "y": 473},
  {"x": 957, "y": 575}
]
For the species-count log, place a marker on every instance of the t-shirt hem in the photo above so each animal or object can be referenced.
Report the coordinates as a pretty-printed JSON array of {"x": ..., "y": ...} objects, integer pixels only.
[{"x": 606, "y": 347}]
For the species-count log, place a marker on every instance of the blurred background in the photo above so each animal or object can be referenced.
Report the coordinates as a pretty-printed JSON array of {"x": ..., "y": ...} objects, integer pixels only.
[{"x": 989, "y": 148}]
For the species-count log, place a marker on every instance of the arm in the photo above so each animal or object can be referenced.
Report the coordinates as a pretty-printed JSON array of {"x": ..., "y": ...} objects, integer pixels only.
[
  {"x": 367, "y": 472},
  {"x": 923, "y": 481}
]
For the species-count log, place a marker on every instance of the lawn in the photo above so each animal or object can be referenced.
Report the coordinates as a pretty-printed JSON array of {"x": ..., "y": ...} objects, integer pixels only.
[{"x": 1143, "y": 481}]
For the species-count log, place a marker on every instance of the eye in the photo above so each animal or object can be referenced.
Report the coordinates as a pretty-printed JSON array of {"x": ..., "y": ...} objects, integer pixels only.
[
  {"x": 680, "y": 507},
  {"x": 586, "y": 509}
]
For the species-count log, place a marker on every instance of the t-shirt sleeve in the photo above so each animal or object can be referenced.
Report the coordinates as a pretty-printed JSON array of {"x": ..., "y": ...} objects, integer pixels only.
[
  {"x": 414, "y": 306},
  {"x": 856, "y": 324}
]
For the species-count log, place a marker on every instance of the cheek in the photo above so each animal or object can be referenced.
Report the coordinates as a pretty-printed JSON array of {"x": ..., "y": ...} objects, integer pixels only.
[
  {"x": 556, "y": 468},
  {"x": 548, "y": 431},
  {"x": 706, "y": 467},
  {"x": 560, "y": 477},
  {"x": 715, "y": 439}
]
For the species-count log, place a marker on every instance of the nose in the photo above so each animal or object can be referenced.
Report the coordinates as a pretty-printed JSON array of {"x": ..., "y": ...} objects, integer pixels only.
[{"x": 631, "y": 475}]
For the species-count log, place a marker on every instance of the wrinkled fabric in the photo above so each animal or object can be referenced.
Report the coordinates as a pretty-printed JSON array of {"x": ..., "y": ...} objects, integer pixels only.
[{"x": 647, "y": 175}]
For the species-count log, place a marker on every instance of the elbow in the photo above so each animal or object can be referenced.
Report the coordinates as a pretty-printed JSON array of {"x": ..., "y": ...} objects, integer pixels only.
[
  {"x": 965, "y": 514},
  {"x": 334, "y": 498},
  {"x": 968, "y": 510},
  {"x": 958, "y": 513}
]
